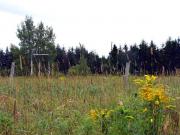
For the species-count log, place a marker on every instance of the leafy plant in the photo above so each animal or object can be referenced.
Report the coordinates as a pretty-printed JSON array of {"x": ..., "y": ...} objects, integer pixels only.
[{"x": 144, "y": 116}]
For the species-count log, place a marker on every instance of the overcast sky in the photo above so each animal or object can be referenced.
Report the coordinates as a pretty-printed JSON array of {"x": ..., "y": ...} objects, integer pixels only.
[{"x": 94, "y": 23}]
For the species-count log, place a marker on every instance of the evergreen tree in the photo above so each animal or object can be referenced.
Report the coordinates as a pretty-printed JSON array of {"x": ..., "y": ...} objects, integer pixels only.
[{"x": 114, "y": 58}]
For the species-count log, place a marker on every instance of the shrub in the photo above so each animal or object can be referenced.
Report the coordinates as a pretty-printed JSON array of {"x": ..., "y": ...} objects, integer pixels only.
[{"x": 81, "y": 68}]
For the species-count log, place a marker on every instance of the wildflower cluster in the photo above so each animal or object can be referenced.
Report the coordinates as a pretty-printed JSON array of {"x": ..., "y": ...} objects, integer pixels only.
[
  {"x": 109, "y": 119},
  {"x": 144, "y": 116},
  {"x": 102, "y": 116},
  {"x": 155, "y": 101},
  {"x": 150, "y": 91},
  {"x": 103, "y": 113}
]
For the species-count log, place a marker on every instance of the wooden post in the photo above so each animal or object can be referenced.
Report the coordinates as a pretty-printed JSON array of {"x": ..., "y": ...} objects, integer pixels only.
[
  {"x": 12, "y": 78},
  {"x": 39, "y": 67},
  {"x": 127, "y": 68},
  {"x": 31, "y": 66},
  {"x": 163, "y": 71},
  {"x": 14, "y": 91},
  {"x": 125, "y": 77},
  {"x": 49, "y": 69},
  {"x": 39, "y": 63},
  {"x": 12, "y": 69},
  {"x": 20, "y": 59}
]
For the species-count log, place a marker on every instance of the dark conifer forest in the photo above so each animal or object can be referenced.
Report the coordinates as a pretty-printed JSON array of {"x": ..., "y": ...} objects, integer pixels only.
[{"x": 144, "y": 58}]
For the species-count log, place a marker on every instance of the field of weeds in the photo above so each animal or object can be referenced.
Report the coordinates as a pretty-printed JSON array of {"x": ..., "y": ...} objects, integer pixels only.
[{"x": 86, "y": 105}]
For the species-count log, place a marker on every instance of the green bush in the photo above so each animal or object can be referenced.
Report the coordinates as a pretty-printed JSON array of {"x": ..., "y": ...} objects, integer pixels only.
[{"x": 80, "y": 69}]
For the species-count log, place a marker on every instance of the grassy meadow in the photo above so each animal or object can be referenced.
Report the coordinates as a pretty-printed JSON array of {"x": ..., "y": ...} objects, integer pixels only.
[{"x": 61, "y": 105}]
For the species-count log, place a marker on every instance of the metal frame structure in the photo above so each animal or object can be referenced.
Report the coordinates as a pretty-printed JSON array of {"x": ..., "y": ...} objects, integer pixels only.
[{"x": 39, "y": 65}]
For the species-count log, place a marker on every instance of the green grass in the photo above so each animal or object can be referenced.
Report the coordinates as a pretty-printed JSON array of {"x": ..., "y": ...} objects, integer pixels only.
[{"x": 56, "y": 106}]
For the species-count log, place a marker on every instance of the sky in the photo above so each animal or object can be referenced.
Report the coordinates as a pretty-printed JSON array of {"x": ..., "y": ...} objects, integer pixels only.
[{"x": 94, "y": 23}]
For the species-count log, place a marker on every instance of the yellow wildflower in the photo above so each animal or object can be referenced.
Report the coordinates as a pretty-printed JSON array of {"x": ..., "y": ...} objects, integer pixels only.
[
  {"x": 108, "y": 114},
  {"x": 161, "y": 95},
  {"x": 148, "y": 78},
  {"x": 144, "y": 110},
  {"x": 103, "y": 112},
  {"x": 147, "y": 81},
  {"x": 139, "y": 81},
  {"x": 156, "y": 102},
  {"x": 150, "y": 92},
  {"x": 153, "y": 77},
  {"x": 146, "y": 93},
  {"x": 62, "y": 78},
  {"x": 93, "y": 114}
]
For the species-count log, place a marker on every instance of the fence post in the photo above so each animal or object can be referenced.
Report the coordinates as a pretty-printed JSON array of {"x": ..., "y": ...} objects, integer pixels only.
[
  {"x": 125, "y": 77},
  {"x": 12, "y": 69}
]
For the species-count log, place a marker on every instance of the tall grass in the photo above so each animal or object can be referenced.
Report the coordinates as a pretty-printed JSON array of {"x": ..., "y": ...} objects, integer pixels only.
[{"x": 57, "y": 105}]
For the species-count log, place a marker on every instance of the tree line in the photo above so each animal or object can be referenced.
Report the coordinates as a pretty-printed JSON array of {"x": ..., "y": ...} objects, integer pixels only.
[{"x": 144, "y": 58}]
